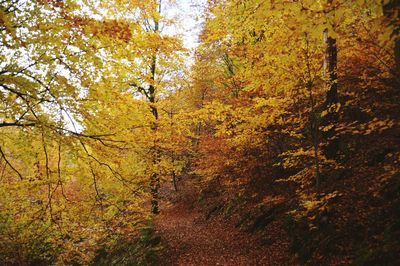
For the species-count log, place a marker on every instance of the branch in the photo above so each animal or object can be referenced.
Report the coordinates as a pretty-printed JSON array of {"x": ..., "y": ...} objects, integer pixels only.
[
  {"x": 115, "y": 173},
  {"x": 22, "y": 95},
  {"x": 9, "y": 164},
  {"x": 15, "y": 124},
  {"x": 140, "y": 89}
]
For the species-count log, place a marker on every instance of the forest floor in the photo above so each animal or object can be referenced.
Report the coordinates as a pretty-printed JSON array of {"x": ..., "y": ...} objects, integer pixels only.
[{"x": 191, "y": 239}]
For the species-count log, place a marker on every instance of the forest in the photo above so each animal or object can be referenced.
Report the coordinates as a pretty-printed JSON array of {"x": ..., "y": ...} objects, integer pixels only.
[{"x": 273, "y": 140}]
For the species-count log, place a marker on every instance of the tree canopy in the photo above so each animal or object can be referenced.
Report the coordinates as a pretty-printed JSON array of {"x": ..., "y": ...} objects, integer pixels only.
[{"x": 100, "y": 105}]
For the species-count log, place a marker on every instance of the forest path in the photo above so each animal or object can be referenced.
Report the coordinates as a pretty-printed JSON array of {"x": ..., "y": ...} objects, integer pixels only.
[{"x": 190, "y": 239}]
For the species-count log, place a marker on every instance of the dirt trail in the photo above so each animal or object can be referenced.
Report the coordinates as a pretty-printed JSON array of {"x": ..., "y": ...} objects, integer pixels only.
[{"x": 190, "y": 239}]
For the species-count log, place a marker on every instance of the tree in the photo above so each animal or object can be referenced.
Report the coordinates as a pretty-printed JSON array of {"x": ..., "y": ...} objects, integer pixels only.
[
  {"x": 71, "y": 155},
  {"x": 330, "y": 62},
  {"x": 161, "y": 58}
]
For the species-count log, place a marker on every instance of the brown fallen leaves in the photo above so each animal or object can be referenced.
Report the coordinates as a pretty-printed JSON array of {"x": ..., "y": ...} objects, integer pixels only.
[{"x": 190, "y": 239}]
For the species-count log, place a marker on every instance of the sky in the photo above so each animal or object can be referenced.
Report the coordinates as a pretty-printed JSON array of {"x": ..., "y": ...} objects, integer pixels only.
[{"x": 189, "y": 25}]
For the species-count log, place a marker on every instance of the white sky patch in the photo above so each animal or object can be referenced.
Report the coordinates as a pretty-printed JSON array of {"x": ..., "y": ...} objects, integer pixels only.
[
  {"x": 192, "y": 20},
  {"x": 189, "y": 15}
]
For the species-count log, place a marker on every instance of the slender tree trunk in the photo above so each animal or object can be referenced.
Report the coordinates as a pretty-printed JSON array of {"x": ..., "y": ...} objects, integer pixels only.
[
  {"x": 397, "y": 54},
  {"x": 331, "y": 99},
  {"x": 314, "y": 119},
  {"x": 330, "y": 66},
  {"x": 154, "y": 178}
]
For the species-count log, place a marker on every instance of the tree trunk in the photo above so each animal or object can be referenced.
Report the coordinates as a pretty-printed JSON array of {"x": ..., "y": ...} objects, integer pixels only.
[
  {"x": 397, "y": 54},
  {"x": 330, "y": 65},
  {"x": 154, "y": 178},
  {"x": 314, "y": 119}
]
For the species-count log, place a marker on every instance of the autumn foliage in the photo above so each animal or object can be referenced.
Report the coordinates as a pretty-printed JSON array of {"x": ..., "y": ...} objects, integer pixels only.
[{"x": 289, "y": 111}]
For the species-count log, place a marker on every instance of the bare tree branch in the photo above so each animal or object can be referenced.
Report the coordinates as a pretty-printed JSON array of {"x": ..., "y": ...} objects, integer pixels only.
[{"x": 9, "y": 164}]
